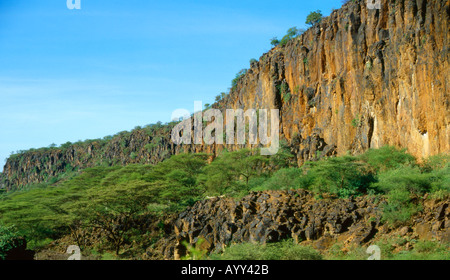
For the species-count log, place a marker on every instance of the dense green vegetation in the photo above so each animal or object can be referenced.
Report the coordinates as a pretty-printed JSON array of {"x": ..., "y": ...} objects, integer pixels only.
[
  {"x": 289, "y": 250},
  {"x": 9, "y": 239},
  {"x": 314, "y": 17},
  {"x": 149, "y": 129},
  {"x": 116, "y": 199},
  {"x": 283, "y": 250},
  {"x": 238, "y": 77},
  {"x": 291, "y": 33},
  {"x": 421, "y": 250}
]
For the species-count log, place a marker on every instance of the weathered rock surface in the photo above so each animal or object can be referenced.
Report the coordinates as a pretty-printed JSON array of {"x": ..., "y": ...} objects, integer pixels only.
[
  {"x": 360, "y": 79},
  {"x": 271, "y": 216}
]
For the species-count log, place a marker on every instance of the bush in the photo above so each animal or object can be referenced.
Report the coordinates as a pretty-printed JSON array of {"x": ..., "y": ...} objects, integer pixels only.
[
  {"x": 399, "y": 208},
  {"x": 343, "y": 176},
  {"x": 284, "y": 91},
  {"x": 291, "y": 33},
  {"x": 283, "y": 250},
  {"x": 435, "y": 163},
  {"x": 274, "y": 41},
  {"x": 356, "y": 121},
  {"x": 387, "y": 158},
  {"x": 285, "y": 179},
  {"x": 440, "y": 182},
  {"x": 408, "y": 179},
  {"x": 401, "y": 185},
  {"x": 9, "y": 240},
  {"x": 314, "y": 17},
  {"x": 425, "y": 250},
  {"x": 238, "y": 77},
  {"x": 231, "y": 172}
]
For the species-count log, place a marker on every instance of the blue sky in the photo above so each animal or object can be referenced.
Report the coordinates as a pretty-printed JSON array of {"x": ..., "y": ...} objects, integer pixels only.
[{"x": 69, "y": 75}]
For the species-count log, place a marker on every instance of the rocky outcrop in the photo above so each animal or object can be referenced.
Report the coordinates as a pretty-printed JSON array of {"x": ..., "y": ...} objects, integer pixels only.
[
  {"x": 360, "y": 79},
  {"x": 271, "y": 216},
  {"x": 138, "y": 146}
]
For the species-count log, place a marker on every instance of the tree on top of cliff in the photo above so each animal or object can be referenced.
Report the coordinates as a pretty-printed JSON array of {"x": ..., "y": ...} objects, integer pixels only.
[
  {"x": 314, "y": 17},
  {"x": 239, "y": 76},
  {"x": 274, "y": 41},
  {"x": 292, "y": 33}
]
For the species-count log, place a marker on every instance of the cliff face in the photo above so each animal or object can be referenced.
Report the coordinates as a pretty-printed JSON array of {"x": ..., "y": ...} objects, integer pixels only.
[{"x": 360, "y": 79}]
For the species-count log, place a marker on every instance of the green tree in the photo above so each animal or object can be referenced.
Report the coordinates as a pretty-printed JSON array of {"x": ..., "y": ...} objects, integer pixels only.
[
  {"x": 117, "y": 212},
  {"x": 387, "y": 158},
  {"x": 344, "y": 176},
  {"x": 282, "y": 250},
  {"x": 314, "y": 17},
  {"x": 231, "y": 171},
  {"x": 283, "y": 159},
  {"x": 238, "y": 77},
  {"x": 284, "y": 179},
  {"x": 274, "y": 41},
  {"x": 401, "y": 186},
  {"x": 176, "y": 179},
  {"x": 9, "y": 240}
]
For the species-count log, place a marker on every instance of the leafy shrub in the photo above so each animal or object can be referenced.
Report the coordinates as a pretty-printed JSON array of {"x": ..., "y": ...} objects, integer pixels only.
[
  {"x": 274, "y": 41},
  {"x": 283, "y": 250},
  {"x": 435, "y": 163},
  {"x": 440, "y": 182},
  {"x": 399, "y": 208},
  {"x": 337, "y": 252},
  {"x": 314, "y": 17},
  {"x": 238, "y": 77},
  {"x": 343, "y": 176},
  {"x": 9, "y": 239},
  {"x": 356, "y": 121},
  {"x": 291, "y": 33},
  {"x": 194, "y": 252},
  {"x": 284, "y": 91},
  {"x": 401, "y": 185},
  {"x": 284, "y": 179},
  {"x": 408, "y": 179},
  {"x": 287, "y": 97},
  {"x": 230, "y": 173},
  {"x": 425, "y": 250},
  {"x": 387, "y": 157}
]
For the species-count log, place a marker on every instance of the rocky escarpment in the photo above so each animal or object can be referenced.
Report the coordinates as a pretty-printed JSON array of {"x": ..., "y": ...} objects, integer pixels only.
[
  {"x": 137, "y": 146},
  {"x": 359, "y": 79},
  {"x": 271, "y": 216}
]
